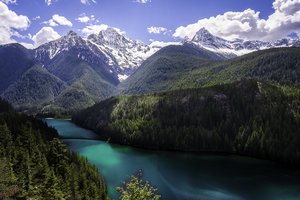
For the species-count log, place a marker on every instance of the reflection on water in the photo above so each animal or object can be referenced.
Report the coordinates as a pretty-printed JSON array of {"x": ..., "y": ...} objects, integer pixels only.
[{"x": 185, "y": 176}]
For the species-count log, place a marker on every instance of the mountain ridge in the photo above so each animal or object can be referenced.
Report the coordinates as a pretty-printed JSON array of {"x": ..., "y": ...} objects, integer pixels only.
[
  {"x": 91, "y": 71},
  {"x": 232, "y": 48}
]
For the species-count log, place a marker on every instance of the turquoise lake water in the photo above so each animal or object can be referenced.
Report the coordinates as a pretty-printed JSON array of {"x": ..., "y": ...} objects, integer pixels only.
[{"x": 184, "y": 176}]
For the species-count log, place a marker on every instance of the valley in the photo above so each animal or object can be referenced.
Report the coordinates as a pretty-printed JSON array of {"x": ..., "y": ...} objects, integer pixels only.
[
  {"x": 183, "y": 176},
  {"x": 208, "y": 110}
]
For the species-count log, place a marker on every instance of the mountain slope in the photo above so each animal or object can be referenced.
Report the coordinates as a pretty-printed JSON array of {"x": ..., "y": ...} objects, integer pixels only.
[
  {"x": 124, "y": 54},
  {"x": 14, "y": 61},
  {"x": 64, "y": 56},
  {"x": 159, "y": 71},
  {"x": 36, "y": 87},
  {"x": 72, "y": 69},
  {"x": 281, "y": 65},
  {"x": 85, "y": 92},
  {"x": 246, "y": 117},
  {"x": 108, "y": 51}
]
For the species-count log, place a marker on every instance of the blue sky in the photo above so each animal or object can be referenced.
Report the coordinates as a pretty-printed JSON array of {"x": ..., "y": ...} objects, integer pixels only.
[{"x": 171, "y": 20}]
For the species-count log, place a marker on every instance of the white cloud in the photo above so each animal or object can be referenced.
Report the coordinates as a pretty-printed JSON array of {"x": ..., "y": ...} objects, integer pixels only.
[
  {"x": 9, "y": 1},
  {"x": 95, "y": 29},
  {"x": 27, "y": 45},
  {"x": 61, "y": 20},
  {"x": 48, "y": 2},
  {"x": 36, "y": 18},
  {"x": 286, "y": 6},
  {"x": 248, "y": 24},
  {"x": 83, "y": 18},
  {"x": 142, "y": 1},
  {"x": 285, "y": 19},
  {"x": 50, "y": 22},
  {"x": 158, "y": 30},
  {"x": 160, "y": 44},
  {"x": 10, "y": 24},
  {"x": 58, "y": 20},
  {"x": 87, "y": 2},
  {"x": 46, "y": 34}
]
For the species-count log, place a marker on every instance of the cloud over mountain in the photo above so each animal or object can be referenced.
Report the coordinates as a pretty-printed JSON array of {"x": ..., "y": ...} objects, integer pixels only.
[
  {"x": 248, "y": 24},
  {"x": 46, "y": 34}
]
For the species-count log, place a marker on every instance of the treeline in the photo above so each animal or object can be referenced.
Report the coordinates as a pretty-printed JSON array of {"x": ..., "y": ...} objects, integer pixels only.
[
  {"x": 246, "y": 117},
  {"x": 34, "y": 164}
]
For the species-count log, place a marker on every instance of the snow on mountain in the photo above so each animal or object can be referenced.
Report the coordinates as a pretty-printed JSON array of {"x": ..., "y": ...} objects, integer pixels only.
[
  {"x": 204, "y": 39},
  {"x": 84, "y": 49},
  {"x": 124, "y": 54},
  {"x": 120, "y": 53}
]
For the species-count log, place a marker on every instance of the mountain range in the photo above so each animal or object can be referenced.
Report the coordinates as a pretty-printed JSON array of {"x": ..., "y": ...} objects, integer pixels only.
[
  {"x": 72, "y": 72},
  {"x": 188, "y": 99},
  {"x": 233, "y": 48}
]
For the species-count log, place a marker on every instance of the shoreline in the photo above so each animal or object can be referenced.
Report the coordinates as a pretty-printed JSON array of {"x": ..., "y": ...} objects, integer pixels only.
[{"x": 157, "y": 149}]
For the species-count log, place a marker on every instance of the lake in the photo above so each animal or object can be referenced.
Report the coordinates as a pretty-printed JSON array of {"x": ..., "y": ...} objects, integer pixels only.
[{"x": 184, "y": 176}]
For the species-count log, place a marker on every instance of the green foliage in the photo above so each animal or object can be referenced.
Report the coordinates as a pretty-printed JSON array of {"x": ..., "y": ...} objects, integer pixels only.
[
  {"x": 14, "y": 61},
  {"x": 180, "y": 68},
  {"x": 246, "y": 117},
  {"x": 64, "y": 85},
  {"x": 163, "y": 68},
  {"x": 34, "y": 164},
  {"x": 137, "y": 189},
  {"x": 42, "y": 92},
  {"x": 280, "y": 65},
  {"x": 36, "y": 87},
  {"x": 8, "y": 181}
]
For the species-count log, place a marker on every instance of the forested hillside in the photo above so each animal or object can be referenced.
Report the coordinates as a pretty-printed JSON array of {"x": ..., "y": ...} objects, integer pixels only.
[
  {"x": 248, "y": 117},
  {"x": 34, "y": 164},
  {"x": 281, "y": 65},
  {"x": 14, "y": 61},
  {"x": 161, "y": 70},
  {"x": 61, "y": 85},
  {"x": 35, "y": 87}
]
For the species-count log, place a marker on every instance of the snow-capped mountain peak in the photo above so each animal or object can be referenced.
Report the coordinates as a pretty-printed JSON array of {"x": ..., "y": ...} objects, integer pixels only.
[
  {"x": 109, "y": 37},
  {"x": 124, "y": 54},
  {"x": 49, "y": 50},
  {"x": 232, "y": 48},
  {"x": 203, "y": 35},
  {"x": 121, "y": 54},
  {"x": 72, "y": 34}
]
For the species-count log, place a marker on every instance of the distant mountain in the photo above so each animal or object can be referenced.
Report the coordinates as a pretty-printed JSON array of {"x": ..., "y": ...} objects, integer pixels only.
[
  {"x": 116, "y": 53},
  {"x": 230, "y": 49},
  {"x": 160, "y": 70},
  {"x": 36, "y": 87},
  {"x": 55, "y": 77},
  {"x": 80, "y": 72},
  {"x": 87, "y": 89},
  {"x": 246, "y": 117},
  {"x": 124, "y": 55},
  {"x": 61, "y": 56},
  {"x": 14, "y": 61}
]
